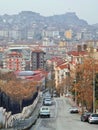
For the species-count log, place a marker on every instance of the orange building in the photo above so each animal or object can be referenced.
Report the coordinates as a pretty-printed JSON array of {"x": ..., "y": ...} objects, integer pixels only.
[
  {"x": 68, "y": 34},
  {"x": 14, "y": 61}
]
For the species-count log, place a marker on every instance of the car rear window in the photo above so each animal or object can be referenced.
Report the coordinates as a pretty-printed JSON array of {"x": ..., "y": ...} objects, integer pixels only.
[
  {"x": 44, "y": 108},
  {"x": 95, "y": 115},
  {"x": 47, "y": 99},
  {"x": 87, "y": 113}
]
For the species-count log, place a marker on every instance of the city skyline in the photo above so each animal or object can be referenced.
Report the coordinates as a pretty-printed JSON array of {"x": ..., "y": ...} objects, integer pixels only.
[{"x": 86, "y": 10}]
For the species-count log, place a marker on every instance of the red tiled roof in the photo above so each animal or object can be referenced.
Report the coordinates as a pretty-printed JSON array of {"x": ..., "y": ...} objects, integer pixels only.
[
  {"x": 63, "y": 66},
  {"x": 54, "y": 59},
  {"x": 76, "y": 53},
  {"x": 57, "y": 60},
  {"x": 37, "y": 76},
  {"x": 15, "y": 53},
  {"x": 41, "y": 71}
]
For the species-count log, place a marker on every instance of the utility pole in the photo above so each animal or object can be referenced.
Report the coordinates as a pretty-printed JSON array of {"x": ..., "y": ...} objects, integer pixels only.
[
  {"x": 93, "y": 69},
  {"x": 75, "y": 92},
  {"x": 93, "y": 89}
]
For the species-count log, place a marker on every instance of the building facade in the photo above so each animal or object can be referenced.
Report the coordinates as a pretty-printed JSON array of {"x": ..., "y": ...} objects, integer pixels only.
[
  {"x": 14, "y": 61},
  {"x": 37, "y": 60}
]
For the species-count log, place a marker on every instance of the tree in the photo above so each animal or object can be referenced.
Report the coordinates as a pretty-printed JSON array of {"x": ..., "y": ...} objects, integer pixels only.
[
  {"x": 84, "y": 82},
  {"x": 17, "y": 89}
]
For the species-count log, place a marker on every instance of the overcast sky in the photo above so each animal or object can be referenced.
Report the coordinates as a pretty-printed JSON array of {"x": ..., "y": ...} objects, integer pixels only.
[{"x": 85, "y": 9}]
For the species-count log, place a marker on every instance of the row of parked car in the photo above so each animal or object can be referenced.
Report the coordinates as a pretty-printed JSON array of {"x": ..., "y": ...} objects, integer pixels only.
[
  {"x": 86, "y": 116},
  {"x": 45, "y": 109},
  {"x": 89, "y": 117}
]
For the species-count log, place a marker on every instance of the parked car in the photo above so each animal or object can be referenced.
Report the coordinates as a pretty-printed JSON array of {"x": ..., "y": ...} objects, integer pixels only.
[
  {"x": 74, "y": 110},
  {"x": 85, "y": 116},
  {"x": 67, "y": 95},
  {"x": 44, "y": 111},
  {"x": 47, "y": 101},
  {"x": 93, "y": 118},
  {"x": 47, "y": 95},
  {"x": 55, "y": 95}
]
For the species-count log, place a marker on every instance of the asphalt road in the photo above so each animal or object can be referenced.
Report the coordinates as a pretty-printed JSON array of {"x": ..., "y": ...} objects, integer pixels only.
[{"x": 61, "y": 119}]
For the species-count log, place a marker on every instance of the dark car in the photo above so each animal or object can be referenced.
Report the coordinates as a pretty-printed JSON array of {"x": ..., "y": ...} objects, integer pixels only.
[{"x": 85, "y": 116}]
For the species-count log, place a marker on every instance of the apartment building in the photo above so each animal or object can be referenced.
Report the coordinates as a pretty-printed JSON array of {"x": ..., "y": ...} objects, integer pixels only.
[
  {"x": 14, "y": 61},
  {"x": 68, "y": 34},
  {"x": 37, "y": 59}
]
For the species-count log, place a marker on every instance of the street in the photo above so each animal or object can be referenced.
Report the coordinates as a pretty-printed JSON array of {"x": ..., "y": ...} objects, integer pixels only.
[{"x": 61, "y": 119}]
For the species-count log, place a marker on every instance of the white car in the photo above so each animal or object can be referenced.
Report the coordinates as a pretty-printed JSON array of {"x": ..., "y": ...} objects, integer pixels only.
[
  {"x": 44, "y": 111},
  {"x": 47, "y": 96},
  {"x": 47, "y": 101},
  {"x": 74, "y": 110},
  {"x": 93, "y": 118}
]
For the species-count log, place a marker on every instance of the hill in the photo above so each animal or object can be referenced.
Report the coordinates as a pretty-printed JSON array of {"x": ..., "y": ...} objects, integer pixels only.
[{"x": 26, "y": 19}]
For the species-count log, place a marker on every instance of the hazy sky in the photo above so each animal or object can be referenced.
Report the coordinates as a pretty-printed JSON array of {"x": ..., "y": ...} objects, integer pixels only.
[{"x": 85, "y": 9}]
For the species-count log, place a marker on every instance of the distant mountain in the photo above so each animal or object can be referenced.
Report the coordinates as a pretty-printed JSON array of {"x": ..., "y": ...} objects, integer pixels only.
[
  {"x": 27, "y": 18},
  {"x": 70, "y": 19},
  {"x": 95, "y": 25}
]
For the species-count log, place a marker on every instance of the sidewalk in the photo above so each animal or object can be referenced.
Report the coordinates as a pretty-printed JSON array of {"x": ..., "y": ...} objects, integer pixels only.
[{"x": 72, "y": 102}]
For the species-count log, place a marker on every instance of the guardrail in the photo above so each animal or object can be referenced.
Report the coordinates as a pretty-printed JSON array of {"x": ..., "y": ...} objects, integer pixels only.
[{"x": 26, "y": 120}]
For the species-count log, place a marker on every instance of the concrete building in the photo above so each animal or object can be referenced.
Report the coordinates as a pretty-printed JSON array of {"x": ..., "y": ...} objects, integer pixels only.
[
  {"x": 68, "y": 34},
  {"x": 14, "y": 61},
  {"x": 18, "y": 57},
  {"x": 37, "y": 59}
]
